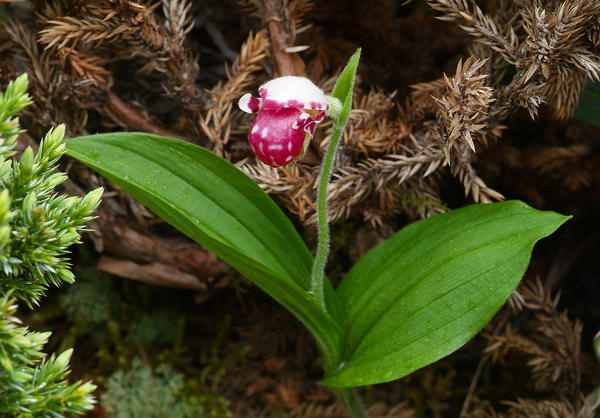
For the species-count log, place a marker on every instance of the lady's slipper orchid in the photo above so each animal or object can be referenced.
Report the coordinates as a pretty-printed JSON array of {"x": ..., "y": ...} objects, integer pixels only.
[{"x": 288, "y": 109}]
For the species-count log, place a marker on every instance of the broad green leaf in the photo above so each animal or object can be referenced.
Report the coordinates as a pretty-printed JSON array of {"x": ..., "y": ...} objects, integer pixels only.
[
  {"x": 426, "y": 291},
  {"x": 588, "y": 108},
  {"x": 218, "y": 206}
]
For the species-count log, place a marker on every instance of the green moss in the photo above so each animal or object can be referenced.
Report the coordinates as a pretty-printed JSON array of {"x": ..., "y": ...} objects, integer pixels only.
[
  {"x": 156, "y": 327},
  {"x": 143, "y": 393},
  {"x": 91, "y": 302}
]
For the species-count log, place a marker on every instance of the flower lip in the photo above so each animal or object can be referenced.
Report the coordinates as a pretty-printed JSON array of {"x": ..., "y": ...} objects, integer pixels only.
[{"x": 278, "y": 136}]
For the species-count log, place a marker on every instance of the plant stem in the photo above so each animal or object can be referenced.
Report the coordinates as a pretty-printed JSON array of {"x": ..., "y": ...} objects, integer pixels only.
[
  {"x": 351, "y": 401},
  {"x": 341, "y": 103},
  {"x": 347, "y": 396},
  {"x": 318, "y": 269}
]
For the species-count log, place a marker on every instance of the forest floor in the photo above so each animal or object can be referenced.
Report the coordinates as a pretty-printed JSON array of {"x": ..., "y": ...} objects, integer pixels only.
[{"x": 118, "y": 65}]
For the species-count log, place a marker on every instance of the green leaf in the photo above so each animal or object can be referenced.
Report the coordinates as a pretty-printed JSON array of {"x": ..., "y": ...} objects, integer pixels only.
[
  {"x": 218, "y": 206},
  {"x": 588, "y": 108},
  {"x": 344, "y": 86},
  {"x": 426, "y": 291}
]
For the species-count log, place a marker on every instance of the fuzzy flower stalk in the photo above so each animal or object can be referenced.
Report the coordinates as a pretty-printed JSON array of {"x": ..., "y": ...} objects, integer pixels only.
[{"x": 289, "y": 109}]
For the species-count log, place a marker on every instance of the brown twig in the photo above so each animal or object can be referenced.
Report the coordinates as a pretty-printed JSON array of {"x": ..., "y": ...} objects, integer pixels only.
[
  {"x": 157, "y": 274},
  {"x": 472, "y": 386},
  {"x": 281, "y": 38}
]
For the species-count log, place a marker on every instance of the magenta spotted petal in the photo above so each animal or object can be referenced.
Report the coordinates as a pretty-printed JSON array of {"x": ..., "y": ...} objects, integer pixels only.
[
  {"x": 277, "y": 135},
  {"x": 288, "y": 110}
]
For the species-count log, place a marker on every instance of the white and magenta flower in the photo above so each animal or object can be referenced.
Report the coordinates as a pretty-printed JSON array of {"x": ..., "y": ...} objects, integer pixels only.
[{"x": 288, "y": 109}]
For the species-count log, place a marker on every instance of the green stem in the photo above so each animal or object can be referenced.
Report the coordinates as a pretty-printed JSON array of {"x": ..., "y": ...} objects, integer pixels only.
[
  {"x": 318, "y": 269},
  {"x": 351, "y": 402},
  {"x": 340, "y": 113},
  {"x": 347, "y": 396}
]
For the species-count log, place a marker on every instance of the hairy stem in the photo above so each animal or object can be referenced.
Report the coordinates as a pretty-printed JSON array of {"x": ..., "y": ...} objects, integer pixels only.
[
  {"x": 340, "y": 105},
  {"x": 318, "y": 269}
]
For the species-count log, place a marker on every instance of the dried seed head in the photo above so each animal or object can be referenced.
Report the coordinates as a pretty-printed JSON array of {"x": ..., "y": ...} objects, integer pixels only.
[{"x": 463, "y": 109}]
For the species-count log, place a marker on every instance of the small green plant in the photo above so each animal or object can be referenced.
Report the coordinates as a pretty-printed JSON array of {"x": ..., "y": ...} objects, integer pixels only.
[
  {"x": 157, "y": 327},
  {"x": 408, "y": 302},
  {"x": 91, "y": 302},
  {"x": 32, "y": 385},
  {"x": 143, "y": 393},
  {"x": 36, "y": 227}
]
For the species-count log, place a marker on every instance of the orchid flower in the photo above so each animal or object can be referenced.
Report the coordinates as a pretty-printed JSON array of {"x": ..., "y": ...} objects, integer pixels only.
[{"x": 288, "y": 110}]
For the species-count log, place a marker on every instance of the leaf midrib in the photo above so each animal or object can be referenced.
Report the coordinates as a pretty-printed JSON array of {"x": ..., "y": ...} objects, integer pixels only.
[
  {"x": 221, "y": 238},
  {"x": 417, "y": 281},
  {"x": 393, "y": 260},
  {"x": 405, "y": 319}
]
